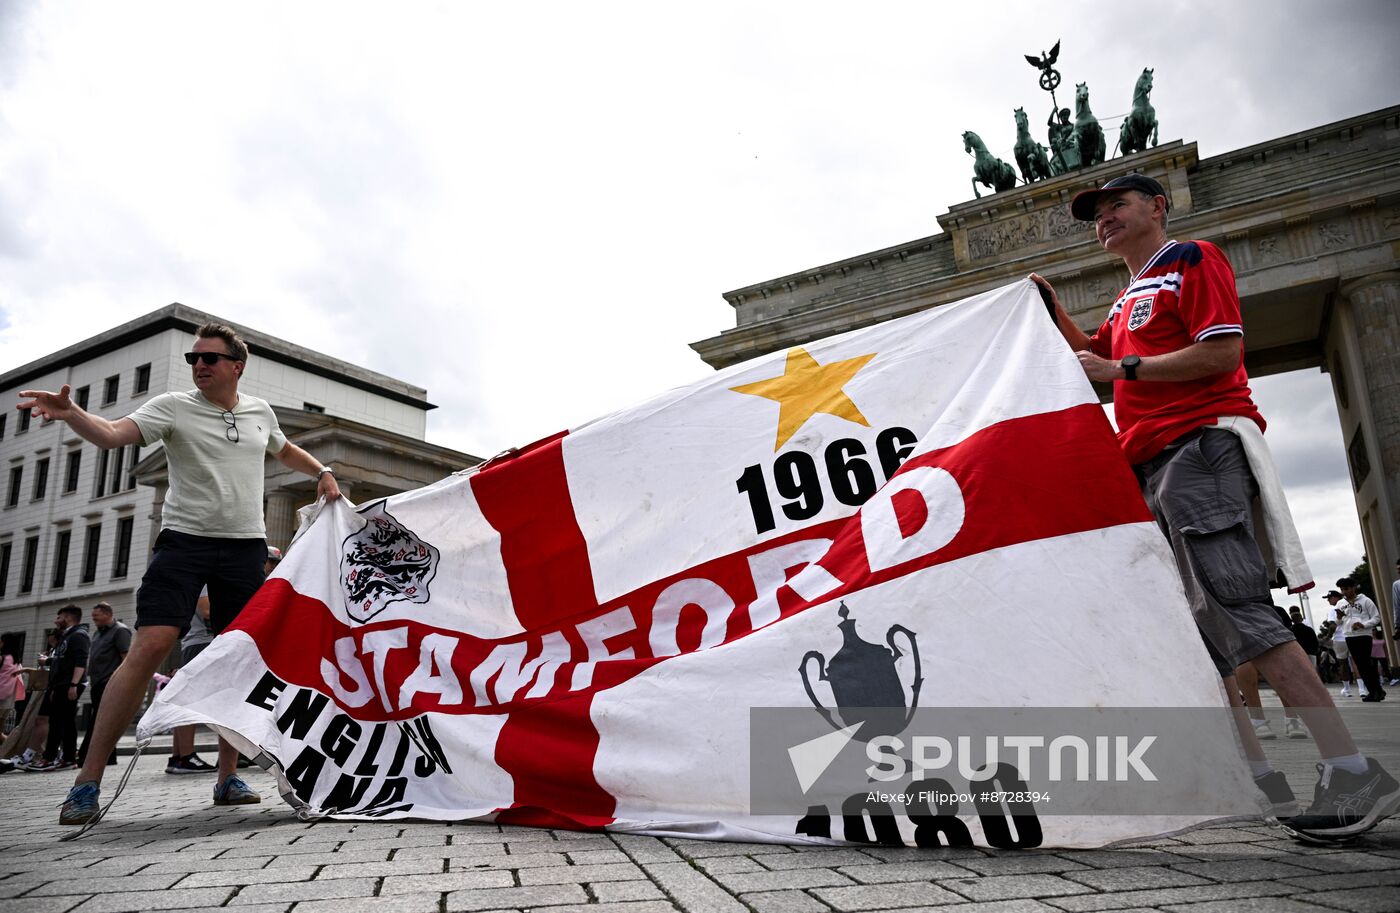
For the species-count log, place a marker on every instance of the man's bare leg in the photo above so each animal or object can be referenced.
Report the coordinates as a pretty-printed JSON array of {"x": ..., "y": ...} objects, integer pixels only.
[
  {"x": 1287, "y": 669},
  {"x": 125, "y": 690}
]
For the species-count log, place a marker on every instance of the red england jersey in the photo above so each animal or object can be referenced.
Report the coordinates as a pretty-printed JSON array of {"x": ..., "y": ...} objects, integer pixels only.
[{"x": 1184, "y": 294}]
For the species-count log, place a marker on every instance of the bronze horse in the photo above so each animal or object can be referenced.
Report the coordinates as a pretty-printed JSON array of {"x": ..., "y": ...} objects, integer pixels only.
[
  {"x": 987, "y": 169},
  {"x": 1141, "y": 122},
  {"x": 1088, "y": 135},
  {"x": 1030, "y": 155}
]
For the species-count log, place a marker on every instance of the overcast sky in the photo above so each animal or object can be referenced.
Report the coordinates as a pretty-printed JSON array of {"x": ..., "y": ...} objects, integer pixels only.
[{"x": 532, "y": 209}]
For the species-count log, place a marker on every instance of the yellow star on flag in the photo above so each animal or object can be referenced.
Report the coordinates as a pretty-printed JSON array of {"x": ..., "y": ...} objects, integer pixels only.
[{"x": 806, "y": 388}]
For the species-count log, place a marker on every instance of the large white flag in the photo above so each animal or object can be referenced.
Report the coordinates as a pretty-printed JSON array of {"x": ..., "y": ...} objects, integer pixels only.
[{"x": 576, "y": 636}]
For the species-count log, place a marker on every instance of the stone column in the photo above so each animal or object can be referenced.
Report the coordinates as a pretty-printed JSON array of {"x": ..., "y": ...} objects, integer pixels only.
[
  {"x": 1375, "y": 305},
  {"x": 281, "y": 518},
  {"x": 347, "y": 488}
]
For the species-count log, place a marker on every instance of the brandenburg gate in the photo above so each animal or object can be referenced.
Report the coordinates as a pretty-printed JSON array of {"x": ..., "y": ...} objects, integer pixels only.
[{"x": 1310, "y": 221}]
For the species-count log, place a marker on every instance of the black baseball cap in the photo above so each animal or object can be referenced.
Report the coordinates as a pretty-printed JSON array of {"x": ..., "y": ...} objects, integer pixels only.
[{"x": 1082, "y": 206}]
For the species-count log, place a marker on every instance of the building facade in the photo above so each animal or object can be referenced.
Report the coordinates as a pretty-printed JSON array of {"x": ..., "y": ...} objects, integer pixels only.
[{"x": 77, "y": 522}]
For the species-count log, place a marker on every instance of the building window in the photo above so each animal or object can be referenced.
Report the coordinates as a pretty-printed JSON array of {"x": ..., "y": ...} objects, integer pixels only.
[
  {"x": 24, "y": 416},
  {"x": 60, "y": 558},
  {"x": 5, "y": 549},
  {"x": 75, "y": 467},
  {"x": 94, "y": 542},
  {"x": 312, "y": 407},
  {"x": 143, "y": 379},
  {"x": 109, "y": 389},
  {"x": 31, "y": 560},
  {"x": 99, "y": 487},
  {"x": 123, "y": 555},
  {"x": 133, "y": 456},
  {"x": 115, "y": 483},
  {"x": 81, "y": 397},
  {"x": 16, "y": 480},
  {"x": 3, "y": 416},
  {"x": 41, "y": 479}
]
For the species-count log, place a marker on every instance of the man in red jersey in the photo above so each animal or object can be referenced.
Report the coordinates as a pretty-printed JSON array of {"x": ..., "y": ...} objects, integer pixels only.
[{"x": 1172, "y": 346}]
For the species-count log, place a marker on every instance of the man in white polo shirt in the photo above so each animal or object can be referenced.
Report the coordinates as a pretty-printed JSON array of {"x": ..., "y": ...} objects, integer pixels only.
[{"x": 212, "y": 531}]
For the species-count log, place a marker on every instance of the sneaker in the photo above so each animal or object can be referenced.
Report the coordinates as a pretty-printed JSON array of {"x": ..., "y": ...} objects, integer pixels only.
[
  {"x": 189, "y": 764},
  {"x": 20, "y": 760},
  {"x": 1393, "y": 682},
  {"x": 1347, "y": 804},
  {"x": 1293, "y": 728},
  {"x": 81, "y": 805},
  {"x": 234, "y": 791},
  {"x": 1346, "y": 690},
  {"x": 1283, "y": 805},
  {"x": 1374, "y": 698},
  {"x": 39, "y": 765},
  {"x": 1262, "y": 731}
]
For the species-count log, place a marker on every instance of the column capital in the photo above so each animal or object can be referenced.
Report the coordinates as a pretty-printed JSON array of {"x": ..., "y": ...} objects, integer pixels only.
[{"x": 1387, "y": 277}]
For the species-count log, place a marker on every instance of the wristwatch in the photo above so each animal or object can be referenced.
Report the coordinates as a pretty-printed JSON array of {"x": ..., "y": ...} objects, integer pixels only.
[
  {"x": 323, "y": 470},
  {"x": 1130, "y": 365}
]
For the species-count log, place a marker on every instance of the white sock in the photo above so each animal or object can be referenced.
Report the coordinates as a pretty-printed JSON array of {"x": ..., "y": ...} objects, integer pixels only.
[
  {"x": 1352, "y": 763},
  {"x": 1260, "y": 768}
]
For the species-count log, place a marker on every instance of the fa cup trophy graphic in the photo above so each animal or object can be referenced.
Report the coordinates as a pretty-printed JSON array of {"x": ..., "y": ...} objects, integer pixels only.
[{"x": 865, "y": 682}]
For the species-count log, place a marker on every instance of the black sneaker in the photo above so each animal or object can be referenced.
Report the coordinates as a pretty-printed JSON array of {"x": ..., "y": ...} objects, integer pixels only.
[
  {"x": 1282, "y": 803},
  {"x": 189, "y": 764},
  {"x": 1347, "y": 804}
]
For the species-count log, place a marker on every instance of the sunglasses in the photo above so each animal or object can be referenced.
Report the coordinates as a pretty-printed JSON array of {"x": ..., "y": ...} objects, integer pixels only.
[
  {"x": 209, "y": 358},
  {"x": 231, "y": 432}
]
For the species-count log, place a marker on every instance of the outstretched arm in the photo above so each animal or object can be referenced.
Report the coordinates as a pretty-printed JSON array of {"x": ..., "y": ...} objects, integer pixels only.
[
  {"x": 92, "y": 428},
  {"x": 293, "y": 457},
  {"x": 1206, "y": 358}
]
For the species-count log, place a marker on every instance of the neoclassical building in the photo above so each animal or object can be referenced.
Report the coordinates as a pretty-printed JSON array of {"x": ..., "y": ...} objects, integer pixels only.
[
  {"x": 1311, "y": 222},
  {"x": 77, "y": 521}
]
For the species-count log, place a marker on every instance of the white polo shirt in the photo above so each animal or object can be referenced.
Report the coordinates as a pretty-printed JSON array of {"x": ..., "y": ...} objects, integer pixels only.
[{"x": 216, "y": 484}]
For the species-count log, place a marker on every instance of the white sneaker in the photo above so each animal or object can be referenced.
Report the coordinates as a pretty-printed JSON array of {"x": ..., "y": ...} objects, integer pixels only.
[
  {"x": 1346, "y": 690},
  {"x": 1262, "y": 731},
  {"x": 1293, "y": 728},
  {"x": 1361, "y": 690},
  {"x": 1394, "y": 681}
]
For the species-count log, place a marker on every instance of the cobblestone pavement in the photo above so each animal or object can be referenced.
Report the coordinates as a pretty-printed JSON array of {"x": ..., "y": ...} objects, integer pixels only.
[{"x": 165, "y": 847}]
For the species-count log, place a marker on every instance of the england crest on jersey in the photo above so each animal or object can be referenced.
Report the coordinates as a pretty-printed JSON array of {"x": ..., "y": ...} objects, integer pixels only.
[{"x": 1140, "y": 311}]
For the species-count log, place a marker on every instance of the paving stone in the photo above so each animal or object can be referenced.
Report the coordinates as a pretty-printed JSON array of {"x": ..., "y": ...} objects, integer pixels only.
[
  {"x": 1020, "y": 905},
  {"x": 915, "y": 853},
  {"x": 1243, "y": 870},
  {"x": 1225, "y": 852},
  {"x": 89, "y": 884},
  {"x": 597, "y": 857},
  {"x": 154, "y": 900},
  {"x": 1162, "y": 896},
  {"x": 186, "y": 866},
  {"x": 784, "y": 902},
  {"x": 1356, "y": 900},
  {"x": 342, "y": 858},
  {"x": 886, "y": 896},
  {"x": 810, "y": 858},
  {"x": 1343, "y": 862},
  {"x": 281, "y": 907},
  {"x": 728, "y": 865},
  {"x": 1007, "y": 887},
  {"x": 247, "y": 876},
  {"x": 639, "y": 906},
  {"x": 504, "y": 862},
  {"x": 454, "y": 850},
  {"x": 428, "y": 902},
  {"x": 610, "y": 891},
  {"x": 1252, "y": 905},
  {"x": 1106, "y": 859},
  {"x": 1340, "y": 880},
  {"x": 55, "y": 904},
  {"x": 691, "y": 890},
  {"x": 1135, "y": 878},
  {"x": 381, "y": 869},
  {"x": 705, "y": 849},
  {"x": 306, "y": 890},
  {"x": 1020, "y": 864},
  {"x": 543, "y": 895},
  {"x": 788, "y": 880},
  {"x": 644, "y": 849},
  {"x": 446, "y": 881},
  {"x": 903, "y": 871},
  {"x": 580, "y": 874}
]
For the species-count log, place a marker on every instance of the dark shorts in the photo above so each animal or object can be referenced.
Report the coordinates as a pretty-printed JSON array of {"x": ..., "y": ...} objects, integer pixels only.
[
  {"x": 1202, "y": 494},
  {"x": 183, "y": 564}
]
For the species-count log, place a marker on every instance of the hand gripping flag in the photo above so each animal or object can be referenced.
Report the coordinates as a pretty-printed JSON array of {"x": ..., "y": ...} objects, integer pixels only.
[{"x": 575, "y": 636}]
